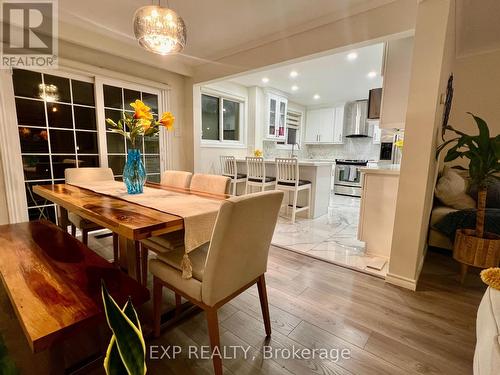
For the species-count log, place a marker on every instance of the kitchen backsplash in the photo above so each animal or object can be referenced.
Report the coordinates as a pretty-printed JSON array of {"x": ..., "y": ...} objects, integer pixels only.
[{"x": 353, "y": 148}]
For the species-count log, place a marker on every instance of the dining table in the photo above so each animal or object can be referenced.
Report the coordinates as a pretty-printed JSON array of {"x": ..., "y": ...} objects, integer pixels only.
[{"x": 131, "y": 222}]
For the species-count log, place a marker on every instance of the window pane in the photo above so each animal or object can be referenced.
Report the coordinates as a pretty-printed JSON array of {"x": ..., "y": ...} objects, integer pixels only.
[
  {"x": 62, "y": 142},
  {"x": 151, "y": 145},
  {"x": 209, "y": 117},
  {"x": 32, "y": 198},
  {"x": 130, "y": 96},
  {"x": 47, "y": 212},
  {"x": 60, "y": 115},
  {"x": 33, "y": 140},
  {"x": 85, "y": 118},
  {"x": 116, "y": 163},
  {"x": 26, "y": 83},
  {"x": 86, "y": 142},
  {"x": 88, "y": 161},
  {"x": 151, "y": 100},
  {"x": 152, "y": 164},
  {"x": 30, "y": 112},
  {"x": 116, "y": 143},
  {"x": 153, "y": 178},
  {"x": 112, "y": 97},
  {"x": 61, "y": 162},
  {"x": 62, "y": 84},
  {"x": 113, "y": 115},
  {"x": 36, "y": 167},
  {"x": 231, "y": 120},
  {"x": 83, "y": 92}
]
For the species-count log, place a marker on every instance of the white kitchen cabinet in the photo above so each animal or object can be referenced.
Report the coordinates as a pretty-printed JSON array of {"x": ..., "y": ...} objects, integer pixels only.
[
  {"x": 325, "y": 125},
  {"x": 276, "y": 116},
  {"x": 377, "y": 133}
]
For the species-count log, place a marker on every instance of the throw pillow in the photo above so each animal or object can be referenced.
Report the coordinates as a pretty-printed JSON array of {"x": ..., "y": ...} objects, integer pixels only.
[
  {"x": 492, "y": 196},
  {"x": 451, "y": 191}
]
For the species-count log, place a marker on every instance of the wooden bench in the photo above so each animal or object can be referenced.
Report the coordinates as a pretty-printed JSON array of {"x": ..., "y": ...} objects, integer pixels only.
[{"x": 54, "y": 282}]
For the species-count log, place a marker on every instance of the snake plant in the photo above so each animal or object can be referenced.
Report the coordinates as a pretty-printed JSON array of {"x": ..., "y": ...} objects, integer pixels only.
[{"x": 126, "y": 351}]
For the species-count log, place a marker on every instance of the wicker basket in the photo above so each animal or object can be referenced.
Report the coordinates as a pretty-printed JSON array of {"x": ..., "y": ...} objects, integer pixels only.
[{"x": 475, "y": 251}]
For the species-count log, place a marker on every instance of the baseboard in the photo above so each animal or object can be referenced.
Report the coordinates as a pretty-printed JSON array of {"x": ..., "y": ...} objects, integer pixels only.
[{"x": 401, "y": 281}]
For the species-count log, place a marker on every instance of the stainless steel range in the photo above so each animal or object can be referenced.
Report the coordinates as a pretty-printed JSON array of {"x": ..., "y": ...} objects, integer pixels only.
[{"x": 348, "y": 177}]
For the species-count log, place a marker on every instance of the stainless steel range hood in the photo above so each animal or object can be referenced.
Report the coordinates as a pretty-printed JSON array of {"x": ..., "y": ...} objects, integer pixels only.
[{"x": 356, "y": 119}]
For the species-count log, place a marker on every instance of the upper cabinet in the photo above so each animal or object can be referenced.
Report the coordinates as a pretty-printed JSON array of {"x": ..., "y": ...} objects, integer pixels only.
[
  {"x": 325, "y": 125},
  {"x": 276, "y": 116},
  {"x": 397, "y": 72}
]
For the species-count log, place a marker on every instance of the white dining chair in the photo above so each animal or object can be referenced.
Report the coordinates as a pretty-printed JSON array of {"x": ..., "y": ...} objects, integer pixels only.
[
  {"x": 202, "y": 183},
  {"x": 287, "y": 179},
  {"x": 176, "y": 179},
  {"x": 234, "y": 260},
  {"x": 88, "y": 174},
  {"x": 229, "y": 168},
  {"x": 256, "y": 174}
]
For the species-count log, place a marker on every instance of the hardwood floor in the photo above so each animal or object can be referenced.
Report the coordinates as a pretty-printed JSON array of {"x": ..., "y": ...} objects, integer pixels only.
[{"x": 386, "y": 329}]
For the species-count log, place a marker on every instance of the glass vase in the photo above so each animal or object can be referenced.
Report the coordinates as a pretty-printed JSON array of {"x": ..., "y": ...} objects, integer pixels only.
[{"x": 134, "y": 173}]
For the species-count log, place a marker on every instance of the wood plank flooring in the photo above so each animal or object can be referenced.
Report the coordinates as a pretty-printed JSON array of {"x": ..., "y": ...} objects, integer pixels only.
[{"x": 387, "y": 330}]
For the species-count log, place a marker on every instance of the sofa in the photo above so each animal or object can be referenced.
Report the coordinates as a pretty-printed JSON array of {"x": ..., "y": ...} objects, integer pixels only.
[
  {"x": 487, "y": 353},
  {"x": 436, "y": 238}
]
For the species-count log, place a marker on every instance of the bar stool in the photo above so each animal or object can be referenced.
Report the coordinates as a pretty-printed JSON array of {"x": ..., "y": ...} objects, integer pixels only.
[
  {"x": 287, "y": 179},
  {"x": 230, "y": 169},
  {"x": 256, "y": 174}
]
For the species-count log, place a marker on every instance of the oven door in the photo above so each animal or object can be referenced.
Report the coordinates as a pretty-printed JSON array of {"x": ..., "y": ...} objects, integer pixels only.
[{"x": 348, "y": 175}]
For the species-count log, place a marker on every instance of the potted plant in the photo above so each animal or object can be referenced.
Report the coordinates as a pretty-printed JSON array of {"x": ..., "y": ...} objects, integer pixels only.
[
  {"x": 141, "y": 123},
  {"x": 475, "y": 247}
]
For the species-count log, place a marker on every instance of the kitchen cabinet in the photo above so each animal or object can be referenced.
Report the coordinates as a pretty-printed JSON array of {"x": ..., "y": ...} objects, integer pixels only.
[
  {"x": 397, "y": 74},
  {"x": 377, "y": 133},
  {"x": 276, "y": 116},
  {"x": 325, "y": 125}
]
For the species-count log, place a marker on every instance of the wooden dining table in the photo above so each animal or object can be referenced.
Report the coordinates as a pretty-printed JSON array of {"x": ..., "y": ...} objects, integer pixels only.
[{"x": 131, "y": 222}]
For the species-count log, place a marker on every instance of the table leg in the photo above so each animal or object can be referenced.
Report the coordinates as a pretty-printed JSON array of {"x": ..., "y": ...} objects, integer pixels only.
[
  {"x": 130, "y": 257},
  {"x": 63, "y": 218}
]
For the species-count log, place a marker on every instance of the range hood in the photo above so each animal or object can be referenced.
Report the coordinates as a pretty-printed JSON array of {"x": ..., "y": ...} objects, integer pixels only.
[{"x": 356, "y": 119}]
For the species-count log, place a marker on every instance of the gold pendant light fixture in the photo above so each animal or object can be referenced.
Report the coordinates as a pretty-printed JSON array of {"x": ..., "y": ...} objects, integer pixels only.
[{"x": 159, "y": 30}]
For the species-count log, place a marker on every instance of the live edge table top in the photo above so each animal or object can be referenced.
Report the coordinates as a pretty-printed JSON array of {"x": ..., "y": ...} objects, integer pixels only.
[
  {"x": 54, "y": 281},
  {"x": 126, "y": 219}
]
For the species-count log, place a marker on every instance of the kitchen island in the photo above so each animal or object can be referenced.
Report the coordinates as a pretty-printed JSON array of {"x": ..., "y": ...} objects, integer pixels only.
[{"x": 319, "y": 172}]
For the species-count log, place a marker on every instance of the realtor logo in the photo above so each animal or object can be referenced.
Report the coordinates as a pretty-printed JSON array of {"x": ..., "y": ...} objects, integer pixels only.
[{"x": 29, "y": 34}]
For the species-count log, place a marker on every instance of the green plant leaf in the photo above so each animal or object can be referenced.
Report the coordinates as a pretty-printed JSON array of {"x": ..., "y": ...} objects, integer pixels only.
[{"x": 129, "y": 340}]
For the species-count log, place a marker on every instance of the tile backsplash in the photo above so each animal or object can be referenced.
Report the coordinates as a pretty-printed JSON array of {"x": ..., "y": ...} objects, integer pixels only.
[{"x": 353, "y": 148}]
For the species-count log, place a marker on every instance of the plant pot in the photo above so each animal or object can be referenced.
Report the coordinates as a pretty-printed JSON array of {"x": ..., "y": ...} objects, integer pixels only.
[
  {"x": 476, "y": 251},
  {"x": 134, "y": 173}
]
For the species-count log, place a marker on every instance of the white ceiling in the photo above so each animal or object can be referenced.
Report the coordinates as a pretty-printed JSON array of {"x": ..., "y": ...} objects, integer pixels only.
[
  {"x": 334, "y": 78},
  {"x": 215, "y": 27}
]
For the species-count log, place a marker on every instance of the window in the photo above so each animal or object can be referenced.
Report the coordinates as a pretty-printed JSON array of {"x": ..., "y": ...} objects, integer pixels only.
[
  {"x": 57, "y": 130},
  {"x": 116, "y": 101},
  {"x": 221, "y": 119},
  {"x": 293, "y": 124}
]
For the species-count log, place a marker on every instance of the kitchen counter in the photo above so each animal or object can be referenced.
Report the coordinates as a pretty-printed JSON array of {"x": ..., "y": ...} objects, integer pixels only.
[
  {"x": 305, "y": 162},
  {"x": 381, "y": 169}
]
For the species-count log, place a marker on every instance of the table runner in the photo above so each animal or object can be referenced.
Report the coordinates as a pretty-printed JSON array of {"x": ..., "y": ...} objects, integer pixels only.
[{"x": 199, "y": 213}]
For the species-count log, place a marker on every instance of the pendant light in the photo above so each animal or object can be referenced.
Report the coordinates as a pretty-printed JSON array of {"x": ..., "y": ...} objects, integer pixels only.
[{"x": 159, "y": 30}]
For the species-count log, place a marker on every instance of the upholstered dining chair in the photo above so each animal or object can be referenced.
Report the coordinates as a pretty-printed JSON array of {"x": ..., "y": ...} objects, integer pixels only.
[
  {"x": 234, "y": 260},
  {"x": 88, "y": 174},
  {"x": 176, "y": 179},
  {"x": 203, "y": 183}
]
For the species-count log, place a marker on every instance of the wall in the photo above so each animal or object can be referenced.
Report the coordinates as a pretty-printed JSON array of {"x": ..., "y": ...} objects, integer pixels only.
[
  {"x": 4, "y": 214},
  {"x": 433, "y": 58}
]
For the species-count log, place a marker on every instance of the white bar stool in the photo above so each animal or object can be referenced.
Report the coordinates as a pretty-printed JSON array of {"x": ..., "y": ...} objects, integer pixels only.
[
  {"x": 230, "y": 169},
  {"x": 256, "y": 174},
  {"x": 287, "y": 179}
]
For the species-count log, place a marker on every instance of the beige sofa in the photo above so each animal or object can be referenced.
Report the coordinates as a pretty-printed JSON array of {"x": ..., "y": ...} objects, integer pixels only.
[
  {"x": 436, "y": 238},
  {"x": 487, "y": 353}
]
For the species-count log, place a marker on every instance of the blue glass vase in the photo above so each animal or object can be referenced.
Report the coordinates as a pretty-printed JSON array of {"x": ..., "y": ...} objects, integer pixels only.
[{"x": 134, "y": 173}]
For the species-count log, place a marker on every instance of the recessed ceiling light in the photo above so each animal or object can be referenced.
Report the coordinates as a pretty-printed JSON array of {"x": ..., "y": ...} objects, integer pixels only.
[
  {"x": 316, "y": 96},
  {"x": 293, "y": 74},
  {"x": 352, "y": 56},
  {"x": 295, "y": 88},
  {"x": 372, "y": 74},
  {"x": 265, "y": 80}
]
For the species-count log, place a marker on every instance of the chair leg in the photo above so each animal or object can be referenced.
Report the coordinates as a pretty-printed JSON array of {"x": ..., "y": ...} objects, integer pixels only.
[
  {"x": 85, "y": 236},
  {"x": 144, "y": 265},
  {"x": 246, "y": 188},
  {"x": 157, "y": 298},
  {"x": 116, "y": 257},
  {"x": 177, "y": 304},
  {"x": 294, "y": 207},
  {"x": 73, "y": 230},
  {"x": 264, "y": 305},
  {"x": 309, "y": 202},
  {"x": 213, "y": 333},
  {"x": 234, "y": 187}
]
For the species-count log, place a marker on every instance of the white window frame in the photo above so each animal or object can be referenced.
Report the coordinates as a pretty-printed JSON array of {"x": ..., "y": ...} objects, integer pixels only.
[
  {"x": 286, "y": 146},
  {"x": 241, "y": 143},
  {"x": 10, "y": 148}
]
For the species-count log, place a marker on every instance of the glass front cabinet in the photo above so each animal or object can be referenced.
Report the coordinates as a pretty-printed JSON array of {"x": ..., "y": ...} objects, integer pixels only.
[{"x": 276, "y": 116}]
